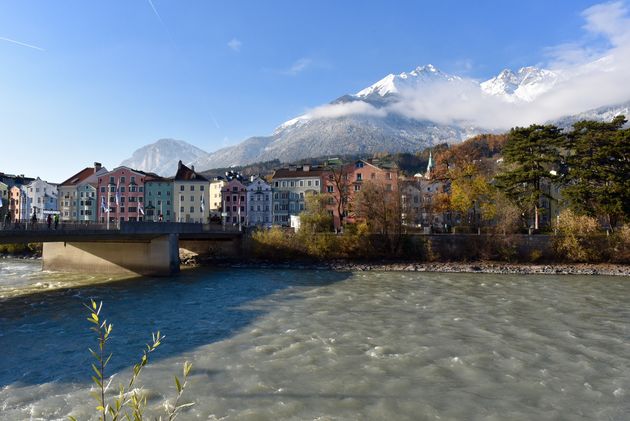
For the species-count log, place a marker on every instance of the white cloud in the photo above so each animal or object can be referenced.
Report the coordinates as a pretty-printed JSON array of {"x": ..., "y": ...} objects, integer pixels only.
[
  {"x": 592, "y": 73},
  {"x": 344, "y": 109},
  {"x": 235, "y": 45},
  {"x": 298, "y": 66}
]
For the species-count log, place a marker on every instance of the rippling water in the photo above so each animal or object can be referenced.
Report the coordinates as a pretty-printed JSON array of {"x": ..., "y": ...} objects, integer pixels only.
[{"x": 320, "y": 345}]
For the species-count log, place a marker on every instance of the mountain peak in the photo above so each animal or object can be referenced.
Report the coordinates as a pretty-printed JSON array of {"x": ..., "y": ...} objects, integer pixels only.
[{"x": 161, "y": 156}]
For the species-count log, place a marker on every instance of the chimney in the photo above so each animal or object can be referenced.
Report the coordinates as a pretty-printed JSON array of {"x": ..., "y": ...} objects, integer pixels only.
[
  {"x": 192, "y": 168},
  {"x": 179, "y": 165},
  {"x": 97, "y": 167},
  {"x": 306, "y": 167}
]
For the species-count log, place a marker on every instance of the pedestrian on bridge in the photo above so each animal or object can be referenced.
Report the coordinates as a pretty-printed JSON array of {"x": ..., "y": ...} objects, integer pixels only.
[
  {"x": 34, "y": 219},
  {"x": 56, "y": 220},
  {"x": 49, "y": 221}
]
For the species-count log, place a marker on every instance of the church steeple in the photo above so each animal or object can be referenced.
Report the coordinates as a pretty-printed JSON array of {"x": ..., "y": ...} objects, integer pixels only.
[{"x": 429, "y": 166}]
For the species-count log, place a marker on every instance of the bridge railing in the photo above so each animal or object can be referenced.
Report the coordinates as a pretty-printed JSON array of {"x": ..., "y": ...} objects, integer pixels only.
[
  {"x": 43, "y": 226},
  {"x": 123, "y": 227}
]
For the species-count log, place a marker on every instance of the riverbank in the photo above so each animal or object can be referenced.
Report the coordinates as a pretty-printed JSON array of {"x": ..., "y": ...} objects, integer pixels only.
[{"x": 443, "y": 267}]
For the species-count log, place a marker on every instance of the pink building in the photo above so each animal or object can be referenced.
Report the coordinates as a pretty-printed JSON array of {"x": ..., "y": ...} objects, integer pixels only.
[
  {"x": 122, "y": 192},
  {"x": 234, "y": 200}
]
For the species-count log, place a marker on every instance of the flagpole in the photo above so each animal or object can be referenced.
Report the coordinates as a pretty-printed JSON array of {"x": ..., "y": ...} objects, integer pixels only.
[{"x": 109, "y": 189}]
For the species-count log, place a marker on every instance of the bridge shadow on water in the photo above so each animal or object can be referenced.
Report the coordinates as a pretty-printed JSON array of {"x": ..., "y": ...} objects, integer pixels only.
[{"x": 45, "y": 336}]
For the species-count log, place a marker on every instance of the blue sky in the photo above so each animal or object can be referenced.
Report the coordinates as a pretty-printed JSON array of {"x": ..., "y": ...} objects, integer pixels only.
[{"x": 84, "y": 81}]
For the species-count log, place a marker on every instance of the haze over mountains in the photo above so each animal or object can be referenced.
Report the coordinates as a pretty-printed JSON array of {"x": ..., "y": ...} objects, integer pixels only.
[{"x": 405, "y": 112}]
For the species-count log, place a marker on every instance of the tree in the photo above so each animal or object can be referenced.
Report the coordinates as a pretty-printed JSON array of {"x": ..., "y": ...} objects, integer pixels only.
[
  {"x": 381, "y": 209},
  {"x": 598, "y": 176},
  {"x": 338, "y": 179},
  {"x": 315, "y": 217},
  {"x": 530, "y": 155}
]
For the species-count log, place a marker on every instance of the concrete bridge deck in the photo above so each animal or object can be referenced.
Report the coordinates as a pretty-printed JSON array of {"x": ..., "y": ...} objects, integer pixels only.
[
  {"x": 140, "y": 248},
  {"x": 127, "y": 232}
]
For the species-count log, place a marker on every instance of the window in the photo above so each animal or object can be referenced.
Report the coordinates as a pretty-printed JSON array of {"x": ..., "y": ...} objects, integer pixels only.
[
  {"x": 122, "y": 180},
  {"x": 292, "y": 184},
  {"x": 201, "y": 188},
  {"x": 357, "y": 187},
  {"x": 301, "y": 183},
  {"x": 309, "y": 183},
  {"x": 192, "y": 198},
  {"x": 276, "y": 184},
  {"x": 192, "y": 188},
  {"x": 359, "y": 164},
  {"x": 181, "y": 197},
  {"x": 181, "y": 188},
  {"x": 359, "y": 176},
  {"x": 330, "y": 189},
  {"x": 192, "y": 209},
  {"x": 133, "y": 179},
  {"x": 112, "y": 180},
  {"x": 181, "y": 209},
  {"x": 317, "y": 182},
  {"x": 122, "y": 189}
]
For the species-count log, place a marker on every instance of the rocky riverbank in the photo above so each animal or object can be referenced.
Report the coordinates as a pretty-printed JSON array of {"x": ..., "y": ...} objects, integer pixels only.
[{"x": 453, "y": 267}]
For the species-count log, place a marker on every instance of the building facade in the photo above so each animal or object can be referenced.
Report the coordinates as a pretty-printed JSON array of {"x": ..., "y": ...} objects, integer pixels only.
[
  {"x": 158, "y": 198},
  {"x": 234, "y": 197},
  {"x": 17, "y": 204},
  {"x": 4, "y": 201},
  {"x": 192, "y": 196},
  {"x": 259, "y": 201},
  {"x": 290, "y": 186},
  {"x": 79, "y": 204},
  {"x": 216, "y": 201},
  {"x": 41, "y": 199},
  {"x": 120, "y": 195}
]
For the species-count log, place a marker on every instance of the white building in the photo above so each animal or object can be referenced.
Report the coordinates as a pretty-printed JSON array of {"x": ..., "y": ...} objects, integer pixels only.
[
  {"x": 41, "y": 199},
  {"x": 259, "y": 200}
]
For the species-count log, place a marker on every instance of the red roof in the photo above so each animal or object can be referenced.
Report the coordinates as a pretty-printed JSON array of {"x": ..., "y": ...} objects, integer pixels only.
[{"x": 78, "y": 177}]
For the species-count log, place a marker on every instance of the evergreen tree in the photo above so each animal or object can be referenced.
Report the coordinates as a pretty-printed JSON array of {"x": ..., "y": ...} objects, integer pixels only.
[
  {"x": 598, "y": 177},
  {"x": 530, "y": 154}
]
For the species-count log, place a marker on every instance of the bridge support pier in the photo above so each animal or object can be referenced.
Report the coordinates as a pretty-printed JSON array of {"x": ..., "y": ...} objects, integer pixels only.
[{"x": 157, "y": 257}]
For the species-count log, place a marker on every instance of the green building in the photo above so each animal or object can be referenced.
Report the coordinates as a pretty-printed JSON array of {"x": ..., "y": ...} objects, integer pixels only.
[{"x": 158, "y": 199}]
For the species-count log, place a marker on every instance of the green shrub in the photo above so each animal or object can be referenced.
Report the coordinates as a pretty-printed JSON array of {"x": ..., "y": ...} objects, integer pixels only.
[
  {"x": 130, "y": 403},
  {"x": 576, "y": 240}
]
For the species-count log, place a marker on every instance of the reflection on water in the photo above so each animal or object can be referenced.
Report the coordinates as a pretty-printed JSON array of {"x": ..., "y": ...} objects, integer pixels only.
[{"x": 326, "y": 345}]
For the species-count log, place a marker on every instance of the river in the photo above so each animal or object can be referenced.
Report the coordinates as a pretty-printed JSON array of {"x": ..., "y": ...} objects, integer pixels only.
[{"x": 324, "y": 345}]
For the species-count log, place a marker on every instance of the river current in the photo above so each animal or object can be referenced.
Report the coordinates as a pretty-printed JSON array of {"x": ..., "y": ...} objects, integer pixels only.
[{"x": 324, "y": 345}]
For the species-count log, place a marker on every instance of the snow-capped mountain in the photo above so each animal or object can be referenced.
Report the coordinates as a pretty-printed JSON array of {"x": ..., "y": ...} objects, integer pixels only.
[
  {"x": 525, "y": 85},
  {"x": 394, "y": 84},
  {"x": 377, "y": 119},
  {"x": 162, "y": 156}
]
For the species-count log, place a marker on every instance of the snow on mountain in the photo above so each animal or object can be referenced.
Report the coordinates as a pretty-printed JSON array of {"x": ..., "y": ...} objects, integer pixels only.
[
  {"x": 371, "y": 121},
  {"x": 162, "y": 156},
  {"x": 393, "y": 84},
  {"x": 525, "y": 85}
]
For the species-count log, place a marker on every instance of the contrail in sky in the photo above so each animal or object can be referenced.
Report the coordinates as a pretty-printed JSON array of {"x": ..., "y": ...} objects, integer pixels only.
[
  {"x": 155, "y": 11},
  {"x": 216, "y": 123},
  {"x": 23, "y": 43}
]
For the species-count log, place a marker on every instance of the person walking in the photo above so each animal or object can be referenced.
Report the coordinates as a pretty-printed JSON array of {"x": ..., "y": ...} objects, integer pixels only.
[
  {"x": 34, "y": 219},
  {"x": 56, "y": 220},
  {"x": 49, "y": 221}
]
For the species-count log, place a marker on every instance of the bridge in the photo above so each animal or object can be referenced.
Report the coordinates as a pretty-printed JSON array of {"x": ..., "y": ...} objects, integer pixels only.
[{"x": 140, "y": 248}]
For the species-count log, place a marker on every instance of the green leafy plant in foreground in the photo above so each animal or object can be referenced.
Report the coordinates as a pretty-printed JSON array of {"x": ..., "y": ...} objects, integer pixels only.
[{"x": 130, "y": 402}]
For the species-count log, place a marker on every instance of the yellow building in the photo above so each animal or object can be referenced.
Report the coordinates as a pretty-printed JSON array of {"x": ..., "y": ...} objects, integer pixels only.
[{"x": 191, "y": 196}]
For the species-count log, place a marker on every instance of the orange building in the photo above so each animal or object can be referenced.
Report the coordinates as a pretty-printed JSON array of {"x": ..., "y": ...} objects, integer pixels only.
[{"x": 342, "y": 182}]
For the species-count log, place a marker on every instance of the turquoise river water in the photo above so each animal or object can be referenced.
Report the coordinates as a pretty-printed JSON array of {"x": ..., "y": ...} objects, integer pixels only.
[{"x": 324, "y": 345}]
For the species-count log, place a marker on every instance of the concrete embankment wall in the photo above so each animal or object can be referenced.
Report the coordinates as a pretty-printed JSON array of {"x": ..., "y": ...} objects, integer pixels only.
[
  {"x": 462, "y": 247},
  {"x": 155, "y": 257}
]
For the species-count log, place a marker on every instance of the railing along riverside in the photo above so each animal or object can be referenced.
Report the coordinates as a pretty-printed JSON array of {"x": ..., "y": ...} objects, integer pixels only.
[{"x": 123, "y": 227}]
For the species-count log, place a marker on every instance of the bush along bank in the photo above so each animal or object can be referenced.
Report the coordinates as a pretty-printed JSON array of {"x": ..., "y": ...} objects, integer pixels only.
[{"x": 21, "y": 251}]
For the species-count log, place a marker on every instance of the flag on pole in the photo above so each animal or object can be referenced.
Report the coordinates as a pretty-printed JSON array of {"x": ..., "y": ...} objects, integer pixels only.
[
  {"x": 141, "y": 210},
  {"x": 203, "y": 205},
  {"x": 104, "y": 207},
  {"x": 118, "y": 194}
]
